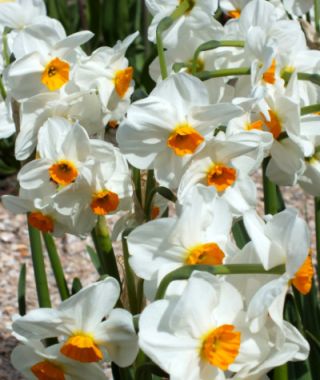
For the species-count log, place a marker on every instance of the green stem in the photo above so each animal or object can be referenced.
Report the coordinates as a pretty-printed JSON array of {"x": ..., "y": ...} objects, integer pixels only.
[
  {"x": 205, "y": 75},
  {"x": 281, "y": 373},
  {"x": 130, "y": 277},
  {"x": 39, "y": 267},
  {"x": 270, "y": 192},
  {"x": 317, "y": 15},
  {"x": 163, "y": 25},
  {"x": 56, "y": 265},
  {"x": 22, "y": 290},
  {"x": 313, "y": 108},
  {"x": 140, "y": 294},
  {"x": 317, "y": 222},
  {"x": 211, "y": 45},
  {"x": 103, "y": 245},
  {"x": 184, "y": 273},
  {"x": 5, "y": 49},
  {"x": 136, "y": 176},
  {"x": 3, "y": 91}
]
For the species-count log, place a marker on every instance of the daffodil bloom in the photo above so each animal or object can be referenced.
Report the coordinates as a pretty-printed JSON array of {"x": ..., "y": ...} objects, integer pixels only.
[
  {"x": 47, "y": 69},
  {"x": 90, "y": 326},
  {"x": 109, "y": 190},
  {"x": 83, "y": 107},
  {"x": 202, "y": 334},
  {"x": 283, "y": 240},
  {"x": 216, "y": 165},
  {"x": 65, "y": 156},
  {"x": 108, "y": 71},
  {"x": 39, "y": 208},
  {"x": 164, "y": 130},
  {"x": 37, "y": 362},
  {"x": 199, "y": 234}
]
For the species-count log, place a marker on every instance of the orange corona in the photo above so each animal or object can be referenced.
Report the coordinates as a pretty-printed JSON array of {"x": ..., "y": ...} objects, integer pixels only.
[{"x": 184, "y": 140}]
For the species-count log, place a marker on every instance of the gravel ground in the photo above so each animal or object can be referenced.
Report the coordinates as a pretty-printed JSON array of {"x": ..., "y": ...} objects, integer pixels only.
[{"x": 15, "y": 251}]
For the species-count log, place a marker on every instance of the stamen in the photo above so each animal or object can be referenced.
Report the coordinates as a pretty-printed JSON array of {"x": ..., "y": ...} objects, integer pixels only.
[
  {"x": 234, "y": 14},
  {"x": 63, "y": 172},
  {"x": 42, "y": 222},
  {"x": 56, "y": 74},
  {"x": 184, "y": 140},
  {"x": 274, "y": 124},
  {"x": 269, "y": 75},
  {"x": 206, "y": 254},
  {"x": 221, "y": 346},
  {"x": 82, "y": 348},
  {"x": 104, "y": 201},
  {"x": 258, "y": 124},
  {"x": 46, "y": 370},
  {"x": 221, "y": 176},
  {"x": 122, "y": 81},
  {"x": 302, "y": 280}
]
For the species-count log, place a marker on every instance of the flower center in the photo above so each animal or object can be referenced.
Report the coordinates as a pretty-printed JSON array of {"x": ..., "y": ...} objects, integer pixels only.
[
  {"x": 104, "y": 201},
  {"x": 44, "y": 223},
  {"x": 269, "y": 74},
  {"x": 302, "y": 280},
  {"x": 235, "y": 13},
  {"x": 258, "y": 124},
  {"x": 221, "y": 346},
  {"x": 63, "y": 172},
  {"x": 81, "y": 347},
  {"x": 122, "y": 81},
  {"x": 274, "y": 124},
  {"x": 221, "y": 176},
  {"x": 206, "y": 254},
  {"x": 46, "y": 370},
  {"x": 184, "y": 140},
  {"x": 55, "y": 74}
]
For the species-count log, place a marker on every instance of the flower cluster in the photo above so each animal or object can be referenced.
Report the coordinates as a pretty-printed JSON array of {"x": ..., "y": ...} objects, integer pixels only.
[{"x": 230, "y": 96}]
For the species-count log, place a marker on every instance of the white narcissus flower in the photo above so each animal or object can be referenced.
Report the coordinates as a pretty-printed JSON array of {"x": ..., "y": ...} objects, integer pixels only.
[
  {"x": 198, "y": 16},
  {"x": 199, "y": 234},
  {"x": 41, "y": 213},
  {"x": 65, "y": 156},
  {"x": 49, "y": 67},
  {"x": 109, "y": 190},
  {"x": 164, "y": 130},
  {"x": 107, "y": 70},
  {"x": 216, "y": 165},
  {"x": 202, "y": 334},
  {"x": 89, "y": 324},
  {"x": 283, "y": 240},
  {"x": 37, "y": 362},
  {"x": 82, "y": 107}
]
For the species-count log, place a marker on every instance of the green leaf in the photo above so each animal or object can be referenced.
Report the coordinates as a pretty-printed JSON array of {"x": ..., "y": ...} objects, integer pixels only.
[
  {"x": 240, "y": 234},
  {"x": 95, "y": 259},
  {"x": 22, "y": 290},
  {"x": 76, "y": 285}
]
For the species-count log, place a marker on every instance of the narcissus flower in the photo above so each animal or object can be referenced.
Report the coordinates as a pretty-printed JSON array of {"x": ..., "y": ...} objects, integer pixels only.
[
  {"x": 199, "y": 234},
  {"x": 36, "y": 362},
  {"x": 89, "y": 325},
  {"x": 47, "y": 69},
  {"x": 164, "y": 130},
  {"x": 283, "y": 240},
  {"x": 216, "y": 165},
  {"x": 202, "y": 334}
]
